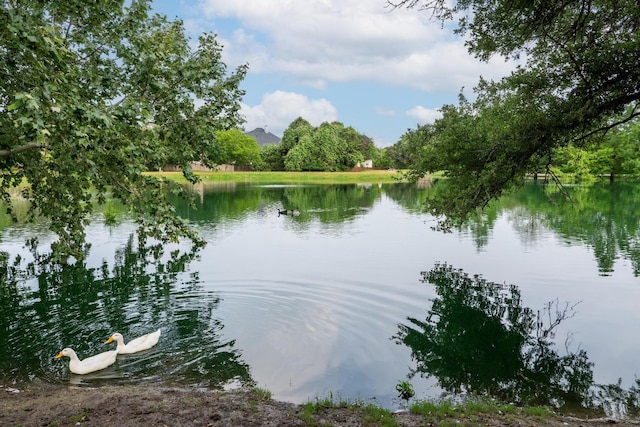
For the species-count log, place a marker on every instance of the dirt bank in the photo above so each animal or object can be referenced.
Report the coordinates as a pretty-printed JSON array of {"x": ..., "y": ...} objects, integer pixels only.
[{"x": 133, "y": 405}]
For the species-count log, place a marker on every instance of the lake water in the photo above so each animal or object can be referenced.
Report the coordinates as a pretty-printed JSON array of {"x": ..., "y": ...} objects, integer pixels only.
[{"x": 334, "y": 302}]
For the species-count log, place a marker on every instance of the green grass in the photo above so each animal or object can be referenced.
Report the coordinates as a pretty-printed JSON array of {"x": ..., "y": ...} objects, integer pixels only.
[
  {"x": 372, "y": 176},
  {"x": 326, "y": 403},
  {"x": 261, "y": 393},
  {"x": 372, "y": 415},
  {"x": 538, "y": 411},
  {"x": 444, "y": 412}
]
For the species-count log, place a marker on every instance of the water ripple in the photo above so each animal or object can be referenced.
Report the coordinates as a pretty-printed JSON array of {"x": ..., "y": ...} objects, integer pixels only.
[
  {"x": 190, "y": 349},
  {"x": 300, "y": 336}
]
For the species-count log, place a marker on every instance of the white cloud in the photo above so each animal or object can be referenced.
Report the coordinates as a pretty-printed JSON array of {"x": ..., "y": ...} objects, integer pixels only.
[
  {"x": 359, "y": 53},
  {"x": 278, "y": 109},
  {"x": 423, "y": 115},
  {"x": 381, "y": 111},
  {"x": 381, "y": 141},
  {"x": 349, "y": 40}
]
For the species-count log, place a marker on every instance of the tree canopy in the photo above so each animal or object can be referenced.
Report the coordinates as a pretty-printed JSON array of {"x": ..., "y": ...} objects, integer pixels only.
[
  {"x": 92, "y": 93},
  {"x": 328, "y": 147},
  {"x": 406, "y": 152},
  {"x": 578, "y": 79},
  {"x": 237, "y": 147}
]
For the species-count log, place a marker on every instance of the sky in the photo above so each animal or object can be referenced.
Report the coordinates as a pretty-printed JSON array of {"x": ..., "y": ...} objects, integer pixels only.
[{"x": 379, "y": 70}]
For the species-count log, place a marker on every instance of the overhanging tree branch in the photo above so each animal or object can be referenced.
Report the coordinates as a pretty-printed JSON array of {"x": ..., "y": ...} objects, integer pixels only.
[
  {"x": 607, "y": 128},
  {"x": 26, "y": 147}
]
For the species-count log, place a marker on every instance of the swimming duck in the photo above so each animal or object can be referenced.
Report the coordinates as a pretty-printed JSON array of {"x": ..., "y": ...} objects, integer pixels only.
[
  {"x": 141, "y": 343},
  {"x": 294, "y": 212},
  {"x": 90, "y": 364}
]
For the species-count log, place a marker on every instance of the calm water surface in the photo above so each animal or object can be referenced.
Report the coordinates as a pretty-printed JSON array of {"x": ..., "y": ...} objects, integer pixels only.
[{"x": 344, "y": 300}]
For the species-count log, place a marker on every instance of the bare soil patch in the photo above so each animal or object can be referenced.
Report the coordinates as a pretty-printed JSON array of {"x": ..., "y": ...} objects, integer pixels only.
[{"x": 148, "y": 405}]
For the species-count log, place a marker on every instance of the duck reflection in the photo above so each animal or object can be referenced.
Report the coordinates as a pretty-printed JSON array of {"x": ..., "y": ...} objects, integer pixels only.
[
  {"x": 46, "y": 306},
  {"x": 478, "y": 339}
]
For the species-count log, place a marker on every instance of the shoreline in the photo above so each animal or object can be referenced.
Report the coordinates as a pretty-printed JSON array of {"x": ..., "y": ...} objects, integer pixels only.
[{"x": 165, "y": 405}]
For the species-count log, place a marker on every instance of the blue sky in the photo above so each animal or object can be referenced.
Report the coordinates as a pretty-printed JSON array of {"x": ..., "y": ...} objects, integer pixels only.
[{"x": 354, "y": 61}]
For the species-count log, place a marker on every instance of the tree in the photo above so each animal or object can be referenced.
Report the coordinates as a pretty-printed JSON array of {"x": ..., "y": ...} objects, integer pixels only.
[
  {"x": 293, "y": 133},
  {"x": 406, "y": 152},
  {"x": 271, "y": 157},
  {"x": 619, "y": 154},
  {"x": 354, "y": 147},
  {"x": 579, "y": 77},
  {"x": 238, "y": 147},
  {"x": 383, "y": 159},
  {"x": 328, "y": 147},
  {"x": 92, "y": 92}
]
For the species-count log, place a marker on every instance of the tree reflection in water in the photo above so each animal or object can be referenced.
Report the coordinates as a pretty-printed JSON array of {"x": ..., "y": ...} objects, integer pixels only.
[
  {"x": 478, "y": 339},
  {"x": 46, "y": 306}
]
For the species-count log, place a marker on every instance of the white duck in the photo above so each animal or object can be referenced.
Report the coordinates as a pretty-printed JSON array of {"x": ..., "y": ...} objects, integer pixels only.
[
  {"x": 90, "y": 364},
  {"x": 141, "y": 343}
]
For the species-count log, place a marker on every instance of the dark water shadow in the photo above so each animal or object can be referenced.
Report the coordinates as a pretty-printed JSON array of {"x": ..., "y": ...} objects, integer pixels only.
[
  {"x": 479, "y": 341},
  {"x": 47, "y": 306}
]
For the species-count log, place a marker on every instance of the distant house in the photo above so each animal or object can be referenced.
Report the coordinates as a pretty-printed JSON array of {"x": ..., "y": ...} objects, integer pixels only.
[
  {"x": 367, "y": 164},
  {"x": 263, "y": 137}
]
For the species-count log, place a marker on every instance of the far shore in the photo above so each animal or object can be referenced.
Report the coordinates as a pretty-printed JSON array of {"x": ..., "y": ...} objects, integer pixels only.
[{"x": 366, "y": 176}]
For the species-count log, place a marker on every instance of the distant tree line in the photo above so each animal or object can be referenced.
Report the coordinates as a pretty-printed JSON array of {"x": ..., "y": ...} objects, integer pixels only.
[
  {"x": 615, "y": 154},
  {"x": 329, "y": 147},
  {"x": 334, "y": 147}
]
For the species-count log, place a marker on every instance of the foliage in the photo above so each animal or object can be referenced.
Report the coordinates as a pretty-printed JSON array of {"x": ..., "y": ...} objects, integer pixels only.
[
  {"x": 328, "y": 147},
  {"x": 301, "y": 157},
  {"x": 94, "y": 92},
  {"x": 294, "y": 133},
  {"x": 355, "y": 147},
  {"x": 238, "y": 147},
  {"x": 576, "y": 163},
  {"x": 318, "y": 152},
  {"x": 383, "y": 159},
  {"x": 616, "y": 155},
  {"x": 578, "y": 79},
  {"x": 271, "y": 158},
  {"x": 405, "y": 390},
  {"x": 619, "y": 153},
  {"x": 110, "y": 214},
  {"x": 407, "y": 151}
]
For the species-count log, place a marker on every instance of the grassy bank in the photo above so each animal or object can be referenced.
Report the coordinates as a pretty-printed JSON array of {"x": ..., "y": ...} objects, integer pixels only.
[
  {"x": 369, "y": 176},
  {"x": 155, "y": 405}
]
